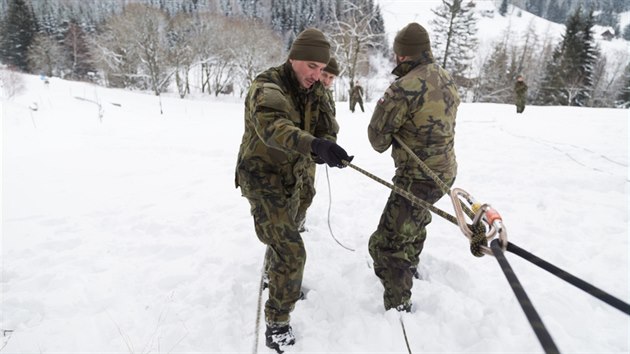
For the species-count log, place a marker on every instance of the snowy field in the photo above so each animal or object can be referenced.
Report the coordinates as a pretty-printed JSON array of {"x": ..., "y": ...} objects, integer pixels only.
[{"x": 123, "y": 233}]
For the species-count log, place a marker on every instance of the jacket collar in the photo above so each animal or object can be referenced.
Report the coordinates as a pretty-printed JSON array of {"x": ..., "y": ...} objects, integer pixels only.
[
  {"x": 405, "y": 67},
  {"x": 292, "y": 81}
]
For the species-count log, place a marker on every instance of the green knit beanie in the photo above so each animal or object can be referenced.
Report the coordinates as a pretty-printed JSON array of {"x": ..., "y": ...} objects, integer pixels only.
[
  {"x": 411, "y": 41},
  {"x": 310, "y": 45},
  {"x": 332, "y": 67}
]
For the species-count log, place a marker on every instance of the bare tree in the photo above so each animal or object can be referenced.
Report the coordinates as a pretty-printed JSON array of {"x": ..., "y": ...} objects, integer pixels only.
[
  {"x": 254, "y": 48},
  {"x": 134, "y": 47},
  {"x": 214, "y": 53},
  {"x": 11, "y": 82},
  {"x": 352, "y": 37},
  {"x": 181, "y": 53},
  {"x": 46, "y": 56}
]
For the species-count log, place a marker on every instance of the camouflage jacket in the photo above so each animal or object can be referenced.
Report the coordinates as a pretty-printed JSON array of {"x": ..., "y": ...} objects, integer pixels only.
[
  {"x": 520, "y": 89},
  {"x": 420, "y": 108},
  {"x": 281, "y": 121},
  {"x": 356, "y": 93}
]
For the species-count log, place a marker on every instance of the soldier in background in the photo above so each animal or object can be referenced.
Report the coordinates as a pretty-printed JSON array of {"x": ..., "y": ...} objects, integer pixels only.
[
  {"x": 356, "y": 96},
  {"x": 289, "y": 120},
  {"x": 307, "y": 193},
  {"x": 520, "y": 91},
  {"x": 420, "y": 108}
]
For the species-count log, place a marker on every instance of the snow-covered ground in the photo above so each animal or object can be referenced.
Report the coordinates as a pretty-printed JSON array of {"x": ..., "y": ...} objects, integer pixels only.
[{"x": 124, "y": 233}]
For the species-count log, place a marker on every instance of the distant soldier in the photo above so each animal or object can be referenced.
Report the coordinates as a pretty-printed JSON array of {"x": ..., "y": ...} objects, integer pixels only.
[
  {"x": 420, "y": 108},
  {"x": 356, "y": 96},
  {"x": 308, "y": 185},
  {"x": 520, "y": 91}
]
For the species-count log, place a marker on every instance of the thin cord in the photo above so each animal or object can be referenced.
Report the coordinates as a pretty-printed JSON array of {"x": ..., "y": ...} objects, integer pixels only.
[{"x": 329, "y": 208}]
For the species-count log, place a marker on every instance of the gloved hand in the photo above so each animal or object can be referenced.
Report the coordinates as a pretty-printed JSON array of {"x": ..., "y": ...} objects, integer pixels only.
[
  {"x": 330, "y": 152},
  {"x": 318, "y": 160}
]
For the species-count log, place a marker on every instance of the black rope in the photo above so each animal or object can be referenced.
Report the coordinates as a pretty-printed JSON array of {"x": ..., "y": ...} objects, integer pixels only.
[
  {"x": 534, "y": 319},
  {"x": 598, "y": 293},
  {"x": 402, "y": 324}
]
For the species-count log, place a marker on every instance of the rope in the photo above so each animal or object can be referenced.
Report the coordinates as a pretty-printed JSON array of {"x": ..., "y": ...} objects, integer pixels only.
[
  {"x": 329, "y": 208},
  {"x": 479, "y": 237},
  {"x": 402, "y": 324},
  {"x": 534, "y": 319},
  {"x": 579, "y": 283},
  {"x": 412, "y": 198},
  {"x": 258, "y": 310},
  {"x": 427, "y": 171}
]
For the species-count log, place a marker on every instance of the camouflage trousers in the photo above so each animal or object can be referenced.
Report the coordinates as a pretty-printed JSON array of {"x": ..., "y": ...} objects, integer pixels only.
[
  {"x": 353, "y": 103},
  {"x": 307, "y": 192},
  {"x": 276, "y": 227},
  {"x": 396, "y": 244}
]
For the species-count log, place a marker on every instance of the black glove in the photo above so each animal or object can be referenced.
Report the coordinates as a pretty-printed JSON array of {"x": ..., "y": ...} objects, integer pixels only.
[
  {"x": 330, "y": 152},
  {"x": 318, "y": 160}
]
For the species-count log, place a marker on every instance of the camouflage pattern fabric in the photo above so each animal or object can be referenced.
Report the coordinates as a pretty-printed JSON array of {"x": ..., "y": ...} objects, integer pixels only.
[
  {"x": 281, "y": 121},
  {"x": 307, "y": 193},
  {"x": 274, "y": 221},
  {"x": 520, "y": 89},
  {"x": 420, "y": 107},
  {"x": 396, "y": 244},
  {"x": 356, "y": 96}
]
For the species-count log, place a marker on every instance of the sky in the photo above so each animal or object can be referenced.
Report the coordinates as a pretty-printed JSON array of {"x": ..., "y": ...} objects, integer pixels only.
[{"x": 122, "y": 231}]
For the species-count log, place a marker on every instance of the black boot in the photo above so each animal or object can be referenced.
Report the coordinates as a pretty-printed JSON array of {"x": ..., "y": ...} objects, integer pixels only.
[{"x": 279, "y": 336}]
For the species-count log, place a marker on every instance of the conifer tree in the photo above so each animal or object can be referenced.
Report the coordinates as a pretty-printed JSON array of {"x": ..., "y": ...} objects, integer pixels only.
[
  {"x": 19, "y": 28},
  {"x": 623, "y": 99},
  {"x": 568, "y": 78},
  {"x": 503, "y": 8},
  {"x": 454, "y": 38}
]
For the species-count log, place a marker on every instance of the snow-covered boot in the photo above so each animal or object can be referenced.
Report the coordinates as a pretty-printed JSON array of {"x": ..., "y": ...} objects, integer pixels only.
[
  {"x": 278, "y": 336},
  {"x": 404, "y": 307}
]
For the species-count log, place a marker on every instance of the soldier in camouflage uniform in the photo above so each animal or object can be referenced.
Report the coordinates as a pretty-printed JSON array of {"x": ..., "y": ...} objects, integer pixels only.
[
  {"x": 307, "y": 193},
  {"x": 520, "y": 91},
  {"x": 420, "y": 108},
  {"x": 356, "y": 96},
  {"x": 289, "y": 119}
]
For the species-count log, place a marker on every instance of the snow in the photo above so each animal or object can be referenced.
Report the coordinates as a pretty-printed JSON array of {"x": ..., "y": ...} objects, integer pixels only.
[
  {"x": 124, "y": 233},
  {"x": 492, "y": 27}
]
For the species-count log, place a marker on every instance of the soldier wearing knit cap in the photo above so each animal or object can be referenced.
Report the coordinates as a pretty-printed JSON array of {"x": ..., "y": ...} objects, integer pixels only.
[
  {"x": 289, "y": 123},
  {"x": 419, "y": 108}
]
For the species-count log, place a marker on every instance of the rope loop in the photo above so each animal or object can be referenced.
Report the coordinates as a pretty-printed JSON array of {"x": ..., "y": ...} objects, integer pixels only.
[{"x": 478, "y": 239}]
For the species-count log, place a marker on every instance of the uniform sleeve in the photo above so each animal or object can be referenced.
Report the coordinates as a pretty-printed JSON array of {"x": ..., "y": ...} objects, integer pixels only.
[
  {"x": 388, "y": 117},
  {"x": 327, "y": 126},
  {"x": 272, "y": 124}
]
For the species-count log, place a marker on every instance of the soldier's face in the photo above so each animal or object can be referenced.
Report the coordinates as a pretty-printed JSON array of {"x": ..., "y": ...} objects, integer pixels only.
[
  {"x": 328, "y": 79},
  {"x": 307, "y": 72}
]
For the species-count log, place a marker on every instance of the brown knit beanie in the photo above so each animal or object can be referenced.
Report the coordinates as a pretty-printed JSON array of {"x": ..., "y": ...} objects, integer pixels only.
[
  {"x": 332, "y": 67},
  {"x": 412, "y": 40},
  {"x": 310, "y": 45}
]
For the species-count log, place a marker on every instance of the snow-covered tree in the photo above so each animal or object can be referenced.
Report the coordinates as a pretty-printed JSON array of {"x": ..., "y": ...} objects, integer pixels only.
[
  {"x": 503, "y": 8},
  {"x": 568, "y": 76},
  {"x": 454, "y": 38},
  {"x": 47, "y": 56},
  {"x": 19, "y": 28},
  {"x": 354, "y": 36},
  {"x": 78, "y": 52},
  {"x": 252, "y": 54},
  {"x": 623, "y": 99}
]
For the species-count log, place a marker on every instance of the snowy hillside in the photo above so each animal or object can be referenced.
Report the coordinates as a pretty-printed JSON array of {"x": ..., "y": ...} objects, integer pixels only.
[
  {"x": 492, "y": 26},
  {"x": 122, "y": 231}
]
